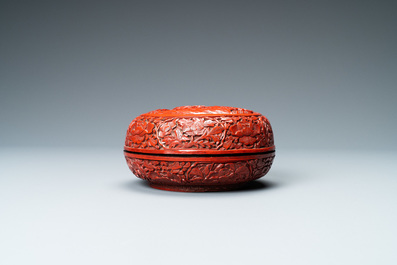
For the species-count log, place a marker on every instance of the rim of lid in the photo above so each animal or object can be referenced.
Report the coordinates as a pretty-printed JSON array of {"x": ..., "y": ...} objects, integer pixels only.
[{"x": 201, "y": 110}]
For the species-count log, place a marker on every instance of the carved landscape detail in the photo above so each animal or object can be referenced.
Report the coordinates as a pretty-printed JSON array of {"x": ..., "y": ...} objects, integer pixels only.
[{"x": 199, "y": 173}]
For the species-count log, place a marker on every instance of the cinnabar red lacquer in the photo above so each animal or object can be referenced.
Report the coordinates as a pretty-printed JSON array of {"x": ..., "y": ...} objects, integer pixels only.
[{"x": 199, "y": 148}]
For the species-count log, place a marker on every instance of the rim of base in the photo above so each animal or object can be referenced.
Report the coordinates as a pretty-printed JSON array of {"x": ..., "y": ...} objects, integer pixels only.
[{"x": 196, "y": 188}]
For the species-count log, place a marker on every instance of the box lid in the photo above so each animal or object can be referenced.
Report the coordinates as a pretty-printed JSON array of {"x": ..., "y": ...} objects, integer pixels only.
[{"x": 200, "y": 130}]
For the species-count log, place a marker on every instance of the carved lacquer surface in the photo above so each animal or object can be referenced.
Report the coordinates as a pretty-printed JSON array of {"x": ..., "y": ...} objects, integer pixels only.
[
  {"x": 199, "y": 110},
  {"x": 199, "y": 173},
  {"x": 210, "y": 132}
]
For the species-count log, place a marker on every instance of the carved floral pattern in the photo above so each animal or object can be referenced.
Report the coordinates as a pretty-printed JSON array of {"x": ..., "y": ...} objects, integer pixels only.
[
  {"x": 219, "y": 132},
  {"x": 199, "y": 173},
  {"x": 199, "y": 109}
]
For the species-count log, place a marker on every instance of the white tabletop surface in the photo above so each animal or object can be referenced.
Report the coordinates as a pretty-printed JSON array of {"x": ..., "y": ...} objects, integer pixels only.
[{"x": 86, "y": 207}]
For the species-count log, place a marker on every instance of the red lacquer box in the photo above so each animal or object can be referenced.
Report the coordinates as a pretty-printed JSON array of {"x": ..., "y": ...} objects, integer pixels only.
[{"x": 199, "y": 148}]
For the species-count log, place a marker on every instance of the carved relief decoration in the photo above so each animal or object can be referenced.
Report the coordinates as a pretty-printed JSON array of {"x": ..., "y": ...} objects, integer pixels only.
[
  {"x": 209, "y": 132},
  {"x": 201, "y": 110},
  {"x": 199, "y": 173}
]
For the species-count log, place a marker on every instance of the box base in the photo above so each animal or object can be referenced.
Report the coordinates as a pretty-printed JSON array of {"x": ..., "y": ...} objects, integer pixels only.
[{"x": 196, "y": 188}]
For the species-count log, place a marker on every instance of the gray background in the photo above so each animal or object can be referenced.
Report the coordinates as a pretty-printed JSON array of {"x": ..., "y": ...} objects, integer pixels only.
[{"x": 75, "y": 73}]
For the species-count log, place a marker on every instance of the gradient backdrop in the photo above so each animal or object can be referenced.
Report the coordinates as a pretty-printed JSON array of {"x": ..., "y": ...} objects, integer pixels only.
[{"x": 75, "y": 73}]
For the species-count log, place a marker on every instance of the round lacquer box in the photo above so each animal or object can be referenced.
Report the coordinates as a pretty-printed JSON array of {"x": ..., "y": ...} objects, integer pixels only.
[{"x": 199, "y": 148}]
